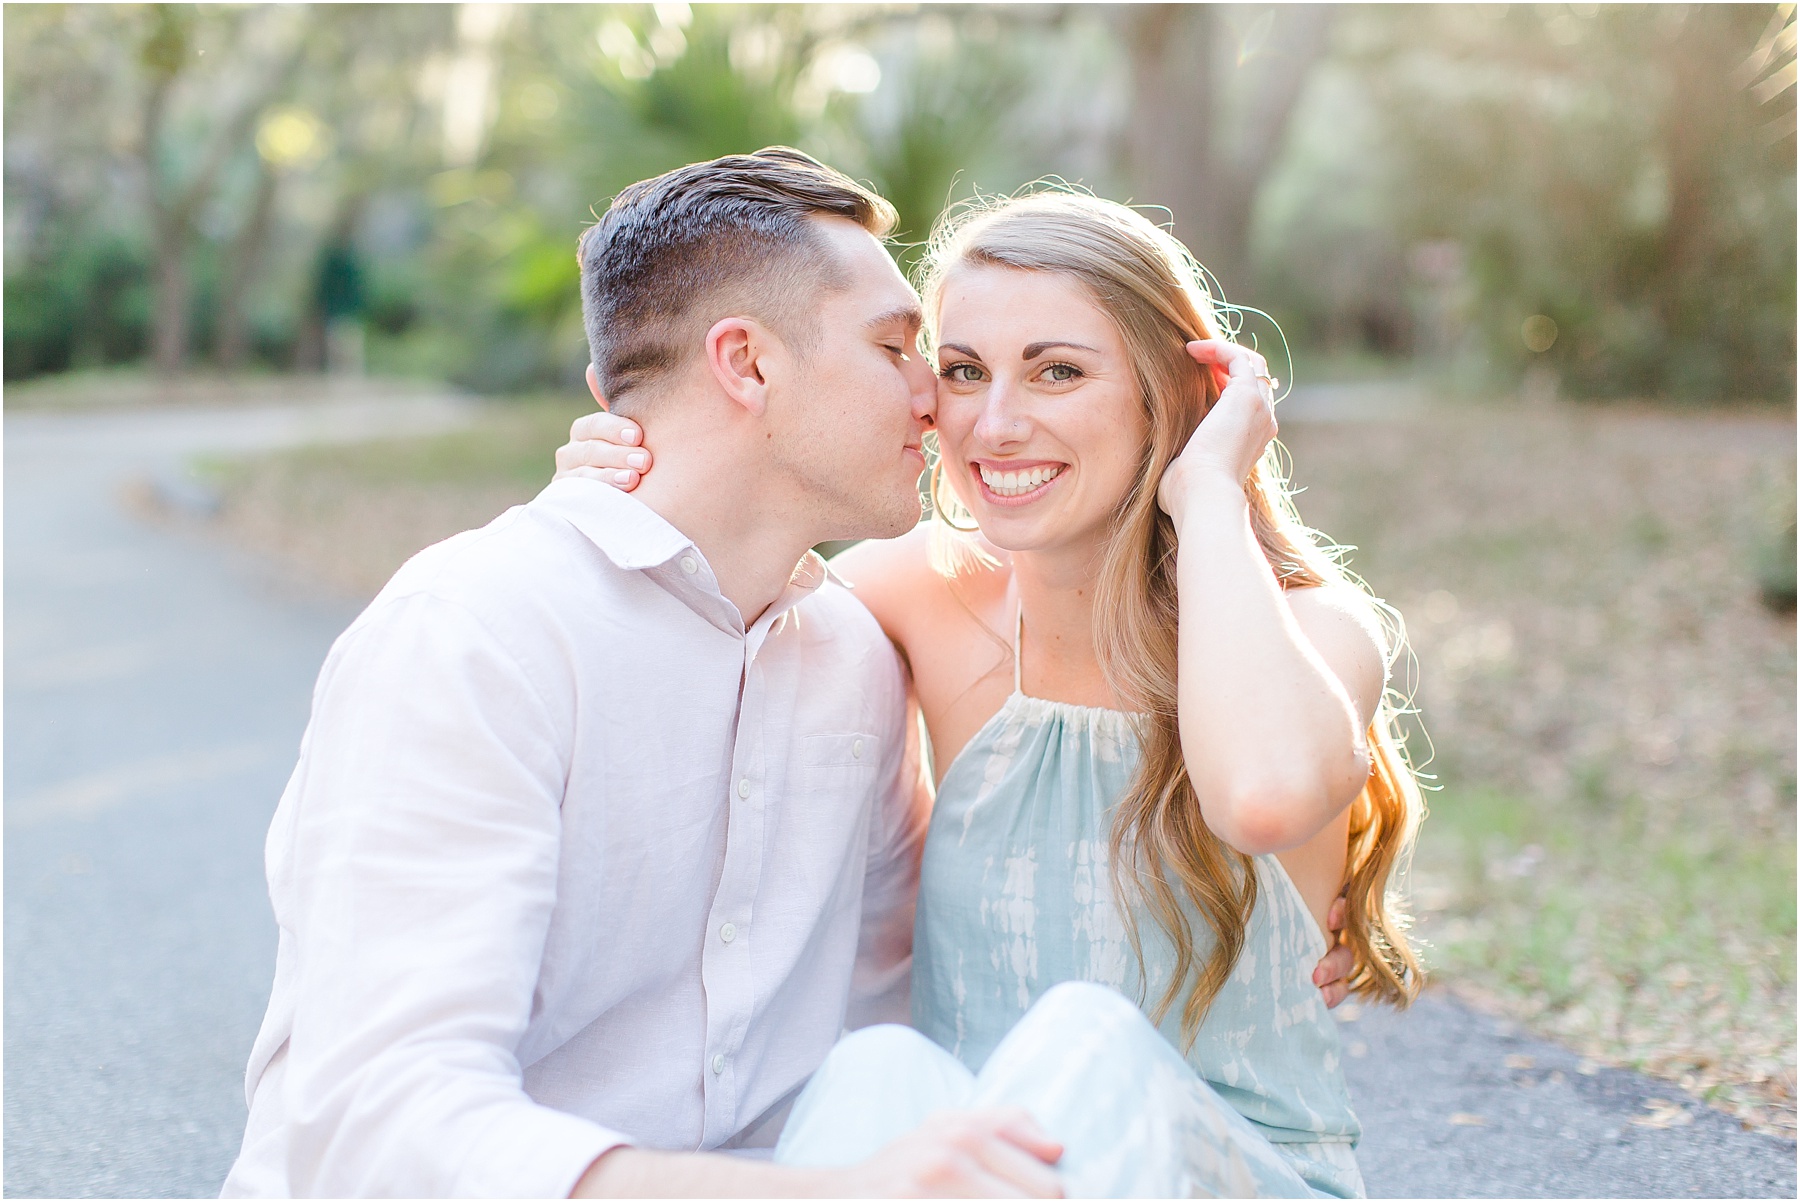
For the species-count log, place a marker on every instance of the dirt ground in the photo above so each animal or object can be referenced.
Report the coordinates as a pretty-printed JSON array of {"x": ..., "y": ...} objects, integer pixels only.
[
  {"x": 1608, "y": 711},
  {"x": 1607, "y": 705}
]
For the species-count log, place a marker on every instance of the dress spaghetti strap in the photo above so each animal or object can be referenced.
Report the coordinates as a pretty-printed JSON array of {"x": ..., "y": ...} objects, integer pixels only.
[{"x": 1018, "y": 638}]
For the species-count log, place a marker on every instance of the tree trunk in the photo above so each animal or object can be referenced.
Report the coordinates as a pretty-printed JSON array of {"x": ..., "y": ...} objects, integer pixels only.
[
  {"x": 164, "y": 52},
  {"x": 174, "y": 209},
  {"x": 1179, "y": 153},
  {"x": 1170, "y": 131},
  {"x": 246, "y": 257},
  {"x": 171, "y": 299},
  {"x": 309, "y": 349}
]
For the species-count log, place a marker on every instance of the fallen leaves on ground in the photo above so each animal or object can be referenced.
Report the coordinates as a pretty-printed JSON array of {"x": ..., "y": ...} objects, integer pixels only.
[{"x": 1610, "y": 852}]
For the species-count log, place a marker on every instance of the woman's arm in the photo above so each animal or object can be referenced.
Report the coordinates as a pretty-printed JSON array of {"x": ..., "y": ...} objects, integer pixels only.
[{"x": 1276, "y": 687}]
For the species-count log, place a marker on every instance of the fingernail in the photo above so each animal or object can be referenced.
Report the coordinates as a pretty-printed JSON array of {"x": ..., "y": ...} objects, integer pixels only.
[
  {"x": 622, "y": 477},
  {"x": 630, "y": 435},
  {"x": 638, "y": 459}
]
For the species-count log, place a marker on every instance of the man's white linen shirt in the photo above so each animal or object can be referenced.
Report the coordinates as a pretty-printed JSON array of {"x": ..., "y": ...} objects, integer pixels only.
[{"x": 571, "y": 859}]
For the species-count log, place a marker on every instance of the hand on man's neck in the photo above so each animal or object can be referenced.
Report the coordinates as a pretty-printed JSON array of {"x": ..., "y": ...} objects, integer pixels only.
[{"x": 711, "y": 484}]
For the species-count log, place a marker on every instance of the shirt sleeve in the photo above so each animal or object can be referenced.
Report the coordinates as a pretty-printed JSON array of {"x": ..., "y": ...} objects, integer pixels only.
[
  {"x": 422, "y": 872},
  {"x": 881, "y": 985}
]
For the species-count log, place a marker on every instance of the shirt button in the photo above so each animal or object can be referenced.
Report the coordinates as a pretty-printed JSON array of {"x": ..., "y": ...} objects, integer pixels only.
[
  {"x": 719, "y": 1063},
  {"x": 856, "y": 750},
  {"x": 728, "y": 932},
  {"x": 744, "y": 787},
  {"x": 689, "y": 565}
]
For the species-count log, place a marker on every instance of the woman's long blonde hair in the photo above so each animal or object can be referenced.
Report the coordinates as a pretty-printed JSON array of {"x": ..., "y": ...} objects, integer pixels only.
[{"x": 1156, "y": 293}]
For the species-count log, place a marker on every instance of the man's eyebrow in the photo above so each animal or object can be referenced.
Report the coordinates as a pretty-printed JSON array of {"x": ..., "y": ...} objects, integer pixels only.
[
  {"x": 910, "y": 316},
  {"x": 960, "y": 349},
  {"x": 1035, "y": 349}
]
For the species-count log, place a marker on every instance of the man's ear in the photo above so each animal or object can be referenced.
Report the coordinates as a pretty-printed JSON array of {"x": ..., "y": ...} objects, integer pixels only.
[
  {"x": 739, "y": 352},
  {"x": 593, "y": 379}
]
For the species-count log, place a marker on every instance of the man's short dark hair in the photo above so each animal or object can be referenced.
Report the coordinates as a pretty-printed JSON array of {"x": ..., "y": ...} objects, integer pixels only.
[{"x": 728, "y": 238}]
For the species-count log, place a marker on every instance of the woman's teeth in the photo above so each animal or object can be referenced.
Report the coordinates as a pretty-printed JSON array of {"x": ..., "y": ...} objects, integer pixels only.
[{"x": 1016, "y": 484}]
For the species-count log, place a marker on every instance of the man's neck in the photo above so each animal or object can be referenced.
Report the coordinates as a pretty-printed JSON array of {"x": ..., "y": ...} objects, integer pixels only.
[{"x": 723, "y": 501}]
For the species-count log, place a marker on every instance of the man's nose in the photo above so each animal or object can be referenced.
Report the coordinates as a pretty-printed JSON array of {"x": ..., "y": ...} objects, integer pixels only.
[{"x": 924, "y": 390}]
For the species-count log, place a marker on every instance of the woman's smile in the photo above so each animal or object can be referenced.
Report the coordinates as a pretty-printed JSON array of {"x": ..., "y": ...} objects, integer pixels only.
[{"x": 1015, "y": 482}]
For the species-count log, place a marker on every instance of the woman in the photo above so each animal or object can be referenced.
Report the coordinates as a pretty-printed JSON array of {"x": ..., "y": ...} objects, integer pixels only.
[{"x": 1155, "y": 703}]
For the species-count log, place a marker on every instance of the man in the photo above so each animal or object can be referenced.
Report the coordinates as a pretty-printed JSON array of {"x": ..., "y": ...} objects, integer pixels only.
[{"x": 597, "y": 803}]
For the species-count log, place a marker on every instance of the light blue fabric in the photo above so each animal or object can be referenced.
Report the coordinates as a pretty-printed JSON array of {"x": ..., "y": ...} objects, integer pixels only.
[
  {"x": 1016, "y": 896},
  {"x": 1133, "y": 1118}
]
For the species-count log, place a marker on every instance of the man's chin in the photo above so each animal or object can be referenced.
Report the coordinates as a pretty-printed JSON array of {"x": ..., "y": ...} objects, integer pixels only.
[{"x": 890, "y": 521}]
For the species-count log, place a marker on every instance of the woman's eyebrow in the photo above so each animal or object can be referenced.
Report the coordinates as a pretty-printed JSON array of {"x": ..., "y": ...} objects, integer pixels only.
[
  {"x": 960, "y": 349},
  {"x": 1033, "y": 350}
]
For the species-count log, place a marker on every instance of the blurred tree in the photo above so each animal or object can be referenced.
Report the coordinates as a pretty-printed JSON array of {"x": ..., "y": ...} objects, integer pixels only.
[
  {"x": 1602, "y": 194},
  {"x": 377, "y": 90},
  {"x": 1597, "y": 167},
  {"x": 945, "y": 121},
  {"x": 1588, "y": 195},
  {"x": 1767, "y": 72},
  {"x": 259, "y": 51},
  {"x": 1212, "y": 90},
  {"x": 76, "y": 253}
]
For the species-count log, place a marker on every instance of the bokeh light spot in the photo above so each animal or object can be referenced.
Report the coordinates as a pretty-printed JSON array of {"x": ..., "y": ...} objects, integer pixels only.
[
  {"x": 1539, "y": 333},
  {"x": 291, "y": 136}
]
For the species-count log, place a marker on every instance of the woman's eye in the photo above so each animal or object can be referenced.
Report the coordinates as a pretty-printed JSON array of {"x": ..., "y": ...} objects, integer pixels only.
[
  {"x": 962, "y": 373},
  {"x": 1061, "y": 373}
]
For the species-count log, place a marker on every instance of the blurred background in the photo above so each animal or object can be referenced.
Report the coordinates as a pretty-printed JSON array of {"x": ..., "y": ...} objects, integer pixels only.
[
  {"x": 290, "y": 292},
  {"x": 398, "y": 188}
]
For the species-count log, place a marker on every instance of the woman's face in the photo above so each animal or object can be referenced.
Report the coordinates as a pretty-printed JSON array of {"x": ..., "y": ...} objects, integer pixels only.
[{"x": 1039, "y": 419}]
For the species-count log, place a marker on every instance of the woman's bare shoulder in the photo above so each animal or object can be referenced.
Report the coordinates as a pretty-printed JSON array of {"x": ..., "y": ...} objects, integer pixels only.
[
  {"x": 900, "y": 580},
  {"x": 884, "y": 563}
]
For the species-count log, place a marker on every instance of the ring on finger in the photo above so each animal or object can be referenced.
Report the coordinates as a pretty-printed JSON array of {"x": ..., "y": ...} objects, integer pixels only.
[{"x": 1271, "y": 381}]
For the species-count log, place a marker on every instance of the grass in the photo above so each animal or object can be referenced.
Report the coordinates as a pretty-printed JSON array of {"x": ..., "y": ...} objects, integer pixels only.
[
  {"x": 1610, "y": 710},
  {"x": 1611, "y": 703},
  {"x": 349, "y": 515}
]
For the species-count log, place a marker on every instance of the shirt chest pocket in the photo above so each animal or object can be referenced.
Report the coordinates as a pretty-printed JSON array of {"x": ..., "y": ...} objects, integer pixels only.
[{"x": 849, "y": 750}]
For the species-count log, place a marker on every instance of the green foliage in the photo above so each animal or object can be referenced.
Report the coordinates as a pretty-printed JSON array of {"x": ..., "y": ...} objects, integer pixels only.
[
  {"x": 1592, "y": 908},
  {"x": 1601, "y": 166},
  {"x": 86, "y": 307},
  {"x": 1775, "y": 569},
  {"x": 1451, "y": 171},
  {"x": 953, "y": 110}
]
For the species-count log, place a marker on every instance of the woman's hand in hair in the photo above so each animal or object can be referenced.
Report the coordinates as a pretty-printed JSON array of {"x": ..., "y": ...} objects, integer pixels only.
[
  {"x": 606, "y": 448},
  {"x": 1235, "y": 431}
]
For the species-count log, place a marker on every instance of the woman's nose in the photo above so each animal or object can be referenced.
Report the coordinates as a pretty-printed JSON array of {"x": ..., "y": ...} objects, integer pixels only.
[{"x": 1001, "y": 422}]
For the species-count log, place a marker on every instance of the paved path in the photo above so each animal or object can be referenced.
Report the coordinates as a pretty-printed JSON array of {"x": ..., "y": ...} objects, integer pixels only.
[
  {"x": 1454, "y": 1104},
  {"x": 156, "y": 687}
]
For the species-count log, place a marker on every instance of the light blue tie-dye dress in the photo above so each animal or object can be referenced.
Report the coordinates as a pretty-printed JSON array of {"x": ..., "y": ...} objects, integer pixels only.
[{"x": 1016, "y": 897}]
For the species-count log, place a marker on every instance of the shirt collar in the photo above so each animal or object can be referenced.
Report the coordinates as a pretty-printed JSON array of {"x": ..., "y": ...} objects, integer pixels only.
[
  {"x": 629, "y": 532},
  {"x": 637, "y": 538}
]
